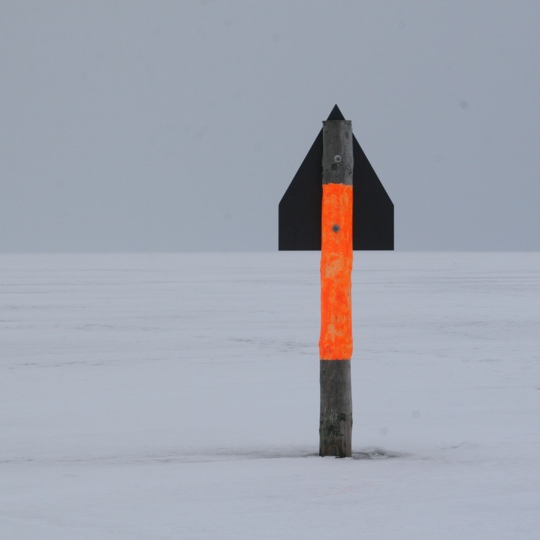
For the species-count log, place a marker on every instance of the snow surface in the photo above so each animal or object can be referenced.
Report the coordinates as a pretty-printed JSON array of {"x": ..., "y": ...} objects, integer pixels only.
[{"x": 176, "y": 396}]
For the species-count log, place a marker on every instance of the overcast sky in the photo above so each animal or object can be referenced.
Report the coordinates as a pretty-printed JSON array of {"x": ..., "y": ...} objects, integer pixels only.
[{"x": 178, "y": 125}]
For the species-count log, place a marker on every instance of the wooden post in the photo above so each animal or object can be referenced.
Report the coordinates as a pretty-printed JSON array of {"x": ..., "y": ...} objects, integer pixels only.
[{"x": 335, "y": 343}]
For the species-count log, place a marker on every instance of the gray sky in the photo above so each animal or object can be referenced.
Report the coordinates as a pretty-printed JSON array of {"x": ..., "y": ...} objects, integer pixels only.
[{"x": 178, "y": 125}]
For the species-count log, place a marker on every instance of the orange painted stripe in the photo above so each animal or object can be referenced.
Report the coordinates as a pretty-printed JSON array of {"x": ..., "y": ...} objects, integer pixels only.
[{"x": 336, "y": 266}]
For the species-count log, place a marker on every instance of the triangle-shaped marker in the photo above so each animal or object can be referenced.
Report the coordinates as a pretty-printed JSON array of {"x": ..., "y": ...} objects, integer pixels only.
[{"x": 300, "y": 207}]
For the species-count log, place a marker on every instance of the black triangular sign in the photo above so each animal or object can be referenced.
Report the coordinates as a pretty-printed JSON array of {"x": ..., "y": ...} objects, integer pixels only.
[{"x": 300, "y": 207}]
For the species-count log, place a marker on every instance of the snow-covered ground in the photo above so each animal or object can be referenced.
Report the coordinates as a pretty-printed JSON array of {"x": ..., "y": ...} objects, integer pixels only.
[{"x": 176, "y": 397}]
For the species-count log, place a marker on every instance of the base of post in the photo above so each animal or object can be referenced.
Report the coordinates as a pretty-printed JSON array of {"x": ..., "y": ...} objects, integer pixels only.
[{"x": 335, "y": 428}]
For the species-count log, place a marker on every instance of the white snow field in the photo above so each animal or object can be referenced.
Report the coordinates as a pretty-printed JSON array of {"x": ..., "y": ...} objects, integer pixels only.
[{"x": 176, "y": 396}]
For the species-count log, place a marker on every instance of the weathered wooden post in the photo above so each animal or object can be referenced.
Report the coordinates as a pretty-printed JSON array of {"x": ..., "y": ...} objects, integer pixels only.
[{"x": 335, "y": 343}]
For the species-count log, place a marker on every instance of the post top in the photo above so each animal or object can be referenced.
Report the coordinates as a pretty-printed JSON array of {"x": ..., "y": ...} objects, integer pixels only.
[{"x": 337, "y": 159}]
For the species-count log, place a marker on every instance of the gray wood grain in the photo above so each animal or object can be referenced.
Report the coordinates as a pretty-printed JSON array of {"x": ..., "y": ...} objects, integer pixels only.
[
  {"x": 337, "y": 158},
  {"x": 335, "y": 429}
]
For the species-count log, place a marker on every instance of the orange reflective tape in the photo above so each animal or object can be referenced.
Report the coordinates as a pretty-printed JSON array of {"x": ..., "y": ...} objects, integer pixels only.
[{"x": 336, "y": 266}]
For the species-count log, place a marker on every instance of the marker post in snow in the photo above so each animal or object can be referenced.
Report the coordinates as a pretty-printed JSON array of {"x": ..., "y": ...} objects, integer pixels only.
[{"x": 318, "y": 211}]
